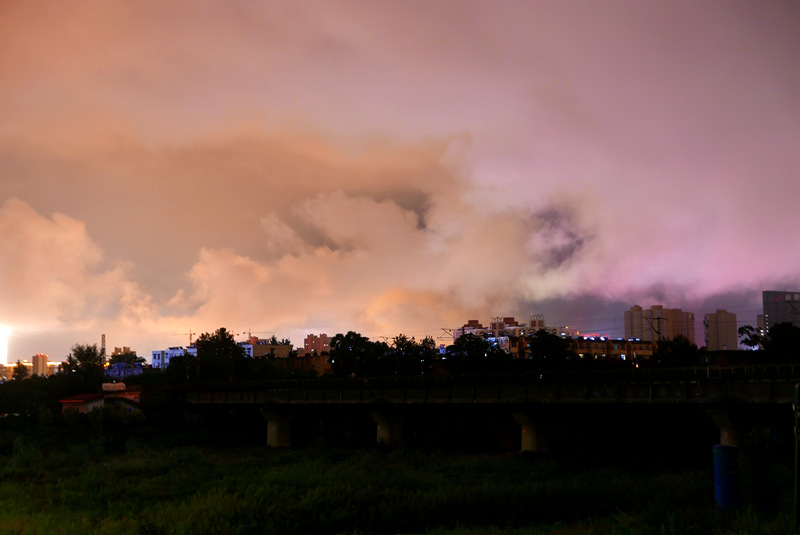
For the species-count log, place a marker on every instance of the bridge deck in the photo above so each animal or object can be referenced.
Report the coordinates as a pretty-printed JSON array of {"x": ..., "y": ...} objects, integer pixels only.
[{"x": 694, "y": 385}]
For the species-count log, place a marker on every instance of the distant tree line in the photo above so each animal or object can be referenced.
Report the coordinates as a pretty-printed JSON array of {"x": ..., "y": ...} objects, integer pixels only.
[
  {"x": 354, "y": 355},
  {"x": 220, "y": 358}
]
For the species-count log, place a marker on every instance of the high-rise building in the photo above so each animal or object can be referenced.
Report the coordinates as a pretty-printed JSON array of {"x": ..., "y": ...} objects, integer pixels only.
[
  {"x": 635, "y": 324},
  {"x": 121, "y": 351},
  {"x": 317, "y": 345},
  {"x": 659, "y": 323},
  {"x": 781, "y": 307},
  {"x": 40, "y": 364},
  {"x": 471, "y": 327},
  {"x": 537, "y": 322},
  {"x": 501, "y": 326},
  {"x": 761, "y": 323},
  {"x": 721, "y": 331}
]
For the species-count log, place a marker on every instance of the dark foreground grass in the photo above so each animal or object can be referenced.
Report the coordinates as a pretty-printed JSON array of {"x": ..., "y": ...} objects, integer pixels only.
[{"x": 140, "y": 489}]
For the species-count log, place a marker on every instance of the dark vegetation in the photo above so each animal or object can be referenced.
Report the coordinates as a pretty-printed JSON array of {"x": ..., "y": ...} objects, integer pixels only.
[
  {"x": 161, "y": 471},
  {"x": 117, "y": 473},
  {"x": 781, "y": 343},
  {"x": 220, "y": 359}
]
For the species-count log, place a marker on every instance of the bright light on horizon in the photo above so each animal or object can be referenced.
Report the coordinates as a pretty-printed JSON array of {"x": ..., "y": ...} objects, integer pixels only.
[{"x": 4, "y": 333}]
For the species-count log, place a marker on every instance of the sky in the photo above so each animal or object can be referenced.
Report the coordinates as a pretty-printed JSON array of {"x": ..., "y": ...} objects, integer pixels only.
[{"x": 289, "y": 168}]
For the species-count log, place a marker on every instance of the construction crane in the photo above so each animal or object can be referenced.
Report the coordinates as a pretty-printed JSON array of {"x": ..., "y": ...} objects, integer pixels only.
[
  {"x": 250, "y": 333},
  {"x": 190, "y": 333}
]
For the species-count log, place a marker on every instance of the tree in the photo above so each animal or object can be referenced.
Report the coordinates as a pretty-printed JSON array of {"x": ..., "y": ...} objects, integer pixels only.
[
  {"x": 86, "y": 362},
  {"x": 782, "y": 342},
  {"x": 428, "y": 352},
  {"x": 678, "y": 351},
  {"x": 404, "y": 357},
  {"x": 471, "y": 353},
  {"x": 549, "y": 349},
  {"x": 354, "y": 355},
  {"x": 472, "y": 347},
  {"x": 219, "y": 356},
  {"x": 273, "y": 340},
  {"x": 181, "y": 368},
  {"x": 20, "y": 372},
  {"x": 129, "y": 358},
  {"x": 751, "y": 337}
]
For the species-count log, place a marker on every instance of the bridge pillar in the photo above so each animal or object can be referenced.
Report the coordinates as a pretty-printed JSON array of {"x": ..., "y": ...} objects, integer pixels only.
[
  {"x": 729, "y": 433},
  {"x": 726, "y": 461},
  {"x": 279, "y": 430},
  {"x": 535, "y": 432},
  {"x": 728, "y": 436},
  {"x": 390, "y": 427}
]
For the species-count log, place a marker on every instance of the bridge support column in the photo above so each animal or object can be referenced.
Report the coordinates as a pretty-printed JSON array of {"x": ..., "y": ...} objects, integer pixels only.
[
  {"x": 726, "y": 460},
  {"x": 279, "y": 430},
  {"x": 390, "y": 427},
  {"x": 535, "y": 432},
  {"x": 728, "y": 436},
  {"x": 728, "y": 429}
]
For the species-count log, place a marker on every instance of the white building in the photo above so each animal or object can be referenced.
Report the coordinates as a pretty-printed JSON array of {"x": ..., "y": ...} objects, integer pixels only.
[{"x": 161, "y": 358}]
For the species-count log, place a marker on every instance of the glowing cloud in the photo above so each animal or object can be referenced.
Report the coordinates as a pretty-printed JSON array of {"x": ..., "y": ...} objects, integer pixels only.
[
  {"x": 5, "y": 333},
  {"x": 387, "y": 166}
]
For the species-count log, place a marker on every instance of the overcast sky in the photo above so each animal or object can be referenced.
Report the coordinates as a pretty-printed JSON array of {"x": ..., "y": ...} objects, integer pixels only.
[{"x": 389, "y": 167}]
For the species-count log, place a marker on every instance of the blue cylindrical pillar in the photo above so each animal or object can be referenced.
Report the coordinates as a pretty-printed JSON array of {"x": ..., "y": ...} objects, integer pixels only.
[{"x": 726, "y": 476}]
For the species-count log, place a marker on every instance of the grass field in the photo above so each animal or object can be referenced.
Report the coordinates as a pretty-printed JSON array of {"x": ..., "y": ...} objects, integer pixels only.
[{"x": 58, "y": 481}]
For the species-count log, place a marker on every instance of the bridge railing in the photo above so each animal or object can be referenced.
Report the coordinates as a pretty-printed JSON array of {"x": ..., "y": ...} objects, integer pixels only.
[{"x": 695, "y": 375}]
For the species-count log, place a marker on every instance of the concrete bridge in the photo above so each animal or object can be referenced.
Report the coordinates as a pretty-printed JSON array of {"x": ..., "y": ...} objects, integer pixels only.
[{"x": 521, "y": 411}]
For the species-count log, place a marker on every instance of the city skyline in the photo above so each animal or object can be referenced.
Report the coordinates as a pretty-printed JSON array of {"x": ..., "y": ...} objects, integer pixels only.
[
  {"x": 389, "y": 167},
  {"x": 443, "y": 336}
]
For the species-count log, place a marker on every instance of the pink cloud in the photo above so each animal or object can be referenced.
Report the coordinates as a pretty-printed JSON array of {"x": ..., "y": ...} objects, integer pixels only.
[{"x": 348, "y": 166}]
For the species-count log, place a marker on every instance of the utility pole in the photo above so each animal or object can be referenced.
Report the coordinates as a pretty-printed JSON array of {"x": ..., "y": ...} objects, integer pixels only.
[
  {"x": 655, "y": 329},
  {"x": 452, "y": 332}
]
